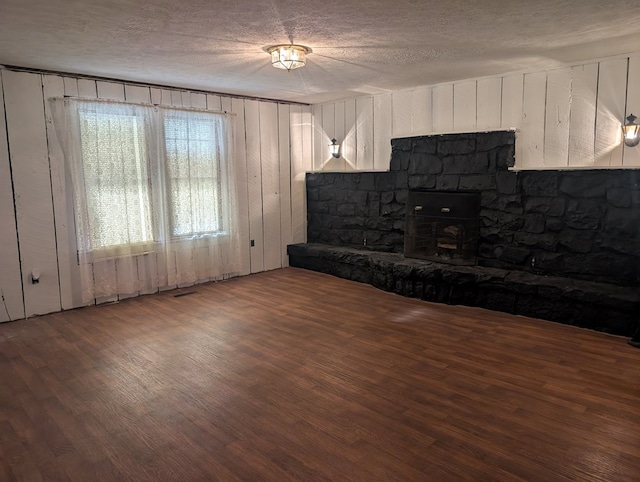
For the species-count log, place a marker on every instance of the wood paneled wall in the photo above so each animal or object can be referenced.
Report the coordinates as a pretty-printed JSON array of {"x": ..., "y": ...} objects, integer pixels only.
[
  {"x": 565, "y": 118},
  {"x": 272, "y": 153}
]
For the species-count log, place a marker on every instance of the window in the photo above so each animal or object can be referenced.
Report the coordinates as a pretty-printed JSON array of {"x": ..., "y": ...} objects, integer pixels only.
[
  {"x": 116, "y": 178},
  {"x": 193, "y": 153},
  {"x": 149, "y": 181},
  {"x": 128, "y": 190}
]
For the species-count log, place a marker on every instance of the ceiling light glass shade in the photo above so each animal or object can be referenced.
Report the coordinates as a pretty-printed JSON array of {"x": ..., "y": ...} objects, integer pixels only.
[
  {"x": 288, "y": 57},
  {"x": 631, "y": 131}
]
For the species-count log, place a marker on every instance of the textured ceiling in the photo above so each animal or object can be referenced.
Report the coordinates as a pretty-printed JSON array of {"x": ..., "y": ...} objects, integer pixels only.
[{"x": 358, "y": 46}]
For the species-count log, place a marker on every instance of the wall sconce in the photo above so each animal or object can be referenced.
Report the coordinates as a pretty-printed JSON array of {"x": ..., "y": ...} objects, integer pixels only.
[
  {"x": 631, "y": 131},
  {"x": 334, "y": 148}
]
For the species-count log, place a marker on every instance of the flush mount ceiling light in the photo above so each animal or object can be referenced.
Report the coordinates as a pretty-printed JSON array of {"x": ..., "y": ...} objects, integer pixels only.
[{"x": 288, "y": 57}]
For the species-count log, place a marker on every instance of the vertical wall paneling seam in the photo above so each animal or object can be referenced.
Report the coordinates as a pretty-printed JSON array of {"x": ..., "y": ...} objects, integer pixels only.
[
  {"x": 284, "y": 151},
  {"x": 544, "y": 119},
  {"x": 572, "y": 72},
  {"x": 595, "y": 120},
  {"x": 571, "y": 78},
  {"x": 632, "y": 103},
  {"x": 334, "y": 126},
  {"x": 392, "y": 110},
  {"x": 354, "y": 150},
  {"x": 290, "y": 163},
  {"x": 93, "y": 280},
  {"x": 291, "y": 171},
  {"x": 476, "y": 120},
  {"x": 313, "y": 121},
  {"x": 522, "y": 100},
  {"x": 264, "y": 238},
  {"x": 246, "y": 168},
  {"x": 517, "y": 161},
  {"x": 70, "y": 186},
  {"x": 373, "y": 129},
  {"x": 53, "y": 202},
  {"x": 626, "y": 100},
  {"x": 278, "y": 154},
  {"x": 13, "y": 191},
  {"x": 340, "y": 131},
  {"x": 339, "y": 141},
  {"x": 431, "y": 89},
  {"x": 453, "y": 106},
  {"x": 314, "y": 126},
  {"x": 317, "y": 142},
  {"x": 321, "y": 141},
  {"x": 93, "y": 268},
  {"x": 502, "y": 100}
]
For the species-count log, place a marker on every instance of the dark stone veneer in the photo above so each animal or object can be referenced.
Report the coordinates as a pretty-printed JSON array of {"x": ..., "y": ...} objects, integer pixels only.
[
  {"x": 600, "y": 306},
  {"x": 582, "y": 224},
  {"x": 558, "y": 245}
]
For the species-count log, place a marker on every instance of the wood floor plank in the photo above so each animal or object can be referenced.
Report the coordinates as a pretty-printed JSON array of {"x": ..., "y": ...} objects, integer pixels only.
[{"x": 296, "y": 375}]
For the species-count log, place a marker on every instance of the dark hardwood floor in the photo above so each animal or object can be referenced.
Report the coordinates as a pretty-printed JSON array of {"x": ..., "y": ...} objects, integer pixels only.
[{"x": 296, "y": 375}]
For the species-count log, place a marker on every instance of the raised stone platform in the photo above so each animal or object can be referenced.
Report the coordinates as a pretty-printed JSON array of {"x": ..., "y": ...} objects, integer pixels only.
[{"x": 599, "y": 306}]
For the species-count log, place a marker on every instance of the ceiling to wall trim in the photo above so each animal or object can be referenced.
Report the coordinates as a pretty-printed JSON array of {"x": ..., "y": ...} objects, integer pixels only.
[{"x": 17, "y": 68}]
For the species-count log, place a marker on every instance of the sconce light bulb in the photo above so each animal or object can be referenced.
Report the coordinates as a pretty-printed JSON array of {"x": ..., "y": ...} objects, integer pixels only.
[{"x": 631, "y": 131}]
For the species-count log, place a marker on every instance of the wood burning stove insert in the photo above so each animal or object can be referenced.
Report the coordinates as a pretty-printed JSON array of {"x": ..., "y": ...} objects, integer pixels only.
[{"x": 442, "y": 226}]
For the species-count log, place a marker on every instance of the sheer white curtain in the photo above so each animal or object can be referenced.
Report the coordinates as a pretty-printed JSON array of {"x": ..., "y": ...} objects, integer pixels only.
[
  {"x": 201, "y": 221},
  {"x": 153, "y": 183}
]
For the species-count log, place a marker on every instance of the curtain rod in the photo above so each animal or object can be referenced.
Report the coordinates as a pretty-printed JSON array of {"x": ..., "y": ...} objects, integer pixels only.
[
  {"x": 34, "y": 70},
  {"x": 142, "y": 104}
]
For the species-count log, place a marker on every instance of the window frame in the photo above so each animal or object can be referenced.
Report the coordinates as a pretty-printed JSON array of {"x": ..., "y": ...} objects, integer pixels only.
[
  {"x": 158, "y": 198},
  {"x": 218, "y": 182}
]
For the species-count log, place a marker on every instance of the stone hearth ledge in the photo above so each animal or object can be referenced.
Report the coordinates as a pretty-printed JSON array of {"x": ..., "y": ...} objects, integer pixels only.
[{"x": 599, "y": 306}]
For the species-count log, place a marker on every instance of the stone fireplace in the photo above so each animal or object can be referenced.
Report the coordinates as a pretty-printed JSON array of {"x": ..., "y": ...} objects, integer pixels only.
[
  {"x": 442, "y": 226},
  {"x": 557, "y": 245}
]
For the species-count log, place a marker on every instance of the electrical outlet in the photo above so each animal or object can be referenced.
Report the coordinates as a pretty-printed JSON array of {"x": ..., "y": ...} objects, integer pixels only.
[{"x": 253, "y": 243}]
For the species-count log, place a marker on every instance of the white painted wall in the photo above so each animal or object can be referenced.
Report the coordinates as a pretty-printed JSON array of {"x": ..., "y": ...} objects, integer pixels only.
[
  {"x": 272, "y": 141},
  {"x": 565, "y": 118},
  {"x": 10, "y": 275}
]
